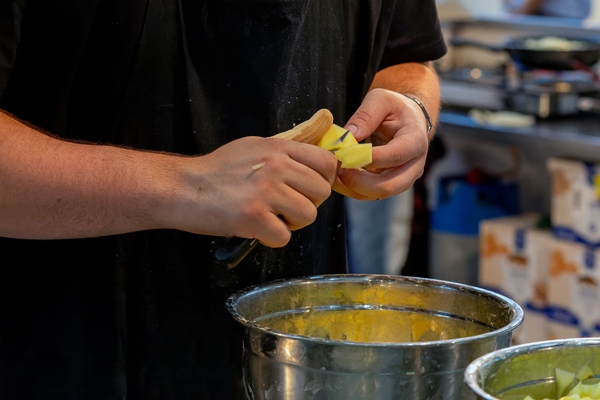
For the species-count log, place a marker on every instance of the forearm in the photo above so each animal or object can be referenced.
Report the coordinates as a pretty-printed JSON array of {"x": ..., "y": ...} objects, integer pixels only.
[
  {"x": 417, "y": 79},
  {"x": 51, "y": 189}
]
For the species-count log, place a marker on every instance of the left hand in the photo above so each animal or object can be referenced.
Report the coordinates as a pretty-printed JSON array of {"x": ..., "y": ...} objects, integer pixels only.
[{"x": 398, "y": 130}]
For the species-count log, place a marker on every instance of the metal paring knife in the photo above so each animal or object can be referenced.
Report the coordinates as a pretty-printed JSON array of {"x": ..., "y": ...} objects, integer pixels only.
[{"x": 235, "y": 250}]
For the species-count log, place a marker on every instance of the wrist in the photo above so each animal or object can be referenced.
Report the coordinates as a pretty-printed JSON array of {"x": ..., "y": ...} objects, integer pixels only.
[{"x": 423, "y": 110}]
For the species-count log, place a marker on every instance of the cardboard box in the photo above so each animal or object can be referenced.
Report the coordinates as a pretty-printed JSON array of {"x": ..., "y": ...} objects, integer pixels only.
[
  {"x": 558, "y": 329},
  {"x": 573, "y": 289},
  {"x": 499, "y": 238},
  {"x": 575, "y": 204},
  {"x": 533, "y": 299},
  {"x": 514, "y": 262}
]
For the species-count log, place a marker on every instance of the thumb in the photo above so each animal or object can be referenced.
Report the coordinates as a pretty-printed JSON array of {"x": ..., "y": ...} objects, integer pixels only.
[{"x": 368, "y": 116}]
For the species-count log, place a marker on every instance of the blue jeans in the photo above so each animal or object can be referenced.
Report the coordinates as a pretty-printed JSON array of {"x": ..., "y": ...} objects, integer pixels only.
[{"x": 379, "y": 234}]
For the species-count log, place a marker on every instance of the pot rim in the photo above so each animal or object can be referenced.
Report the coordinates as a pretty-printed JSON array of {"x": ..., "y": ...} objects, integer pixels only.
[
  {"x": 249, "y": 324},
  {"x": 473, "y": 370}
]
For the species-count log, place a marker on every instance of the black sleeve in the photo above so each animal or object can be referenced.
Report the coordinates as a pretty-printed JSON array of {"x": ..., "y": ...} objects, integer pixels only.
[
  {"x": 11, "y": 14},
  {"x": 415, "y": 33},
  {"x": 41, "y": 44}
]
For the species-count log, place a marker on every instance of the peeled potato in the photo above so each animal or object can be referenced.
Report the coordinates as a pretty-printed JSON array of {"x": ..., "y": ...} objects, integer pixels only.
[
  {"x": 355, "y": 156},
  {"x": 345, "y": 147},
  {"x": 336, "y": 138}
]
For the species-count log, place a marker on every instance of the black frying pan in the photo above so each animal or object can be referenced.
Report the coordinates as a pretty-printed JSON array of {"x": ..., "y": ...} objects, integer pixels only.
[{"x": 585, "y": 55}]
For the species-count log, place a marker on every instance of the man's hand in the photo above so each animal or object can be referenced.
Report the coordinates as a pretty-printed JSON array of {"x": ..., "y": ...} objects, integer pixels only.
[
  {"x": 398, "y": 130},
  {"x": 255, "y": 188}
]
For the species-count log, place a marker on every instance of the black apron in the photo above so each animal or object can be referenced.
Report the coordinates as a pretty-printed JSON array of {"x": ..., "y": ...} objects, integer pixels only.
[{"x": 142, "y": 316}]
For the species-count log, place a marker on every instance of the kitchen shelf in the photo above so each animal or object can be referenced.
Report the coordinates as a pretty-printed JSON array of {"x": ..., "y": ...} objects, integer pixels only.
[{"x": 571, "y": 137}]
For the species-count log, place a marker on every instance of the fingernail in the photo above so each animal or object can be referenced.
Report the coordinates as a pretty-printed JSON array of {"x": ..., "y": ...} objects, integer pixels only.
[{"x": 352, "y": 128}]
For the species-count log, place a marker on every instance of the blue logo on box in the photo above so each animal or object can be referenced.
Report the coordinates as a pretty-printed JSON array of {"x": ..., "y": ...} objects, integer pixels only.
[
  {"x": 590, "y": 258},
  {"x": 520, "y": 239},
  {"x": 561, "y": 315}
]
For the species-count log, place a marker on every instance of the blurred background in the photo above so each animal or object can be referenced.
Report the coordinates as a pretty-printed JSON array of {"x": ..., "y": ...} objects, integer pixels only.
[
  {"x": 510, "y": 198},
  {"x": 494, "y": 7}
]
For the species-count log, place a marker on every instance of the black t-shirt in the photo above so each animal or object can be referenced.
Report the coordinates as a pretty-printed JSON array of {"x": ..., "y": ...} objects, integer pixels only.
[{"x": 141, "y": 316}]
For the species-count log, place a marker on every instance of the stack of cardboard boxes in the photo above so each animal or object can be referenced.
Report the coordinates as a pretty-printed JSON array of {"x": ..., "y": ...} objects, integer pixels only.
[{"x": 553, "y": 274}]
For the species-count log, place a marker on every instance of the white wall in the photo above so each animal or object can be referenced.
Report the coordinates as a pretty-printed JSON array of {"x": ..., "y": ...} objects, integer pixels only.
[{"x": 595, "y": 10}]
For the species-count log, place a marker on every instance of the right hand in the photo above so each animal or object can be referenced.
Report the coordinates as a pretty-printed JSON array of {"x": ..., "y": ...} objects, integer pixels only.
[{"x": 221, "y": 194}]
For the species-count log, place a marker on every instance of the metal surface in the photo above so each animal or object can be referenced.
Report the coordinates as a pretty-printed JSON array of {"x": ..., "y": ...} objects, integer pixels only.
[
  {"x": 544, "y": 94},
  {"x": 575, "y": 136},
  {"x": 586, "y": 56},
  {"x": 544, "y": 104},
  {"x": 529, "y": 367},
  {"x": 281, "y": 366},
  {"x": 474, "y": 88}
]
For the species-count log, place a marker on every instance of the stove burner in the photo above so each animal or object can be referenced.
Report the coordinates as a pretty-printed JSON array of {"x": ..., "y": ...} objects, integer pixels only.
[{"x": 542, "y": 93}]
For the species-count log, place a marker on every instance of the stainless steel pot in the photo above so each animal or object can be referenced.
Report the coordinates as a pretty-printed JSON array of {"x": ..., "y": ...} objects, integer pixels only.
[
  {"x": 517, "y": 371},
  {"x": 279, "y": 365}
]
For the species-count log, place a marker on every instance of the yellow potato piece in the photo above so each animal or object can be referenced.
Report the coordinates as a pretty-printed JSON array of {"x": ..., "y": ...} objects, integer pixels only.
[
  {"x": 345, "y": 147},
  {"x": 355, "y": 156},
  {"x": 564, "y": 380},
  {"x": 332, "y": 139}
]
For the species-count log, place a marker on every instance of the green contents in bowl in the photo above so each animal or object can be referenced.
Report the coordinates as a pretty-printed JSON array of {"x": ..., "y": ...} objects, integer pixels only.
[
  {"x": 579, "y": 385},
  {"x": 582, "y": 391}
]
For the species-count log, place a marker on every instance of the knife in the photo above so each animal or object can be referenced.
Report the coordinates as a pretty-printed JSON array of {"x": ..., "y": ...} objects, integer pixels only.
[
  {"x": 235, "y": 250},
  {"x": 310, "y": 131}
]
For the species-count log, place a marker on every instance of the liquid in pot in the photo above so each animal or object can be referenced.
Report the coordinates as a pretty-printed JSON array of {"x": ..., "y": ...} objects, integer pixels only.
[{"x": 372, "y": 325}]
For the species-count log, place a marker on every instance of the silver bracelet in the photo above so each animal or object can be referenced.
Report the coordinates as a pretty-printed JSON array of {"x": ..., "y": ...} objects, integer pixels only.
[{"x": 429, "y": 123}]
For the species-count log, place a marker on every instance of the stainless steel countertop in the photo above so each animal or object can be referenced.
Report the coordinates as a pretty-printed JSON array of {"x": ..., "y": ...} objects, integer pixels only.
[{"x": 574, "y": 136}]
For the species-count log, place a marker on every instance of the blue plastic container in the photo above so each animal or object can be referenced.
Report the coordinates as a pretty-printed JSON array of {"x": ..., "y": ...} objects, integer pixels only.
[{"x": 461, "y": 206}]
